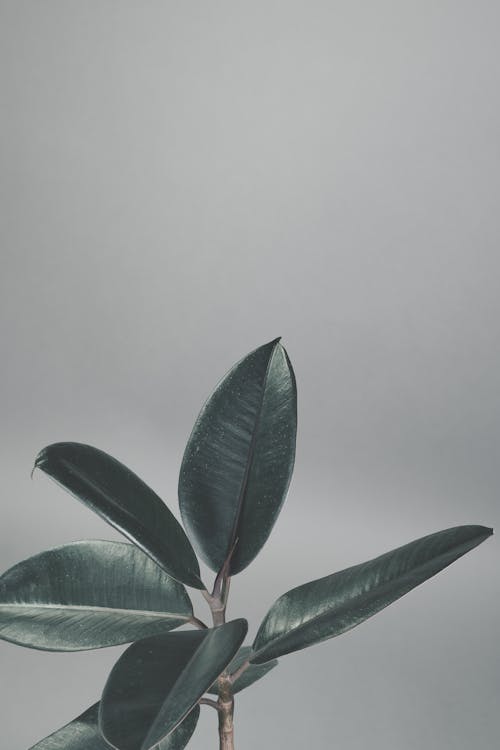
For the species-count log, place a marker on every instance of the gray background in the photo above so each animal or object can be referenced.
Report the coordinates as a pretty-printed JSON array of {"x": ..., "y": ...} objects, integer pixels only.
[{"x": 181, "y": 182}]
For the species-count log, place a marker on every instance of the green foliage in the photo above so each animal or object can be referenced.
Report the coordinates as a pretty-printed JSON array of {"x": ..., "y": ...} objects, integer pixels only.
[
  {"x": 233, "y": 481},
  {"x": 252, "y": 673},
  {"x": 83, "y": 733},
  {"x": 87, "y": 595},
  {"x": 80, "y": 734},
  {"x": 118, "y": 495},
  {"x": 239, "y": 459},
  {"x": 334, "y": 604},
  {"x": 157, "y": 681}
]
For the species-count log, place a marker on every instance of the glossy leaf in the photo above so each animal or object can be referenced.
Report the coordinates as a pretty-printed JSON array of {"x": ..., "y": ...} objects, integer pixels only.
[
  {"x": 322, "y": 609},
  {"x": 126, "y": 502},
  {"x": 80, "y": 734},
  {"x": 83, "y": 734},
  {"x": 253, "y": 673},
  {"x": 157, "y": 682},
  {"x": 88, "y": 594},
  {"x": 239, "y": 459}
]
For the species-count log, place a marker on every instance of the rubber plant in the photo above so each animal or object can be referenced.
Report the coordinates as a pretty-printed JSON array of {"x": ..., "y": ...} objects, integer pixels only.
[{"x": 233, "y": 480}]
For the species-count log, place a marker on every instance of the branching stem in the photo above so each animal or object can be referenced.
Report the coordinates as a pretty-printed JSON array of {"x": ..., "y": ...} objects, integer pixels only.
[
  {"x": 223, "y": 575},
  {"x": 217, "y": 601},
  {"x": 239, "y": 671},
  {"x": 209, "y": 702}
]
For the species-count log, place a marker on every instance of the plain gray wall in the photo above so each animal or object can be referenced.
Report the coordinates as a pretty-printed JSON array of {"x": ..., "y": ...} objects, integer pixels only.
[{"x": 181, "y": 182}]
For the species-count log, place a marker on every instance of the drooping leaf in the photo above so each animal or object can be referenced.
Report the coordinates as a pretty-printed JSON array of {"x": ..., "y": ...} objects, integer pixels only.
[
  {"x": 88, "y": 594},
  {"x": 253, "y": 673},
  {"x": 126, "y": 502},
  {"x": 157, "y": 681},
  {"x": 83, "y": 734},
  {"x": 239, "y": 459},
  {"x": 329, "y": 606}
]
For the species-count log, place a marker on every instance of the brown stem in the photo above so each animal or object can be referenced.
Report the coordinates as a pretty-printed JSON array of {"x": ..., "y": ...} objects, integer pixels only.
[
  {"x": 217, "y": 601},
  {"x": 226, "y": 712},
  {"x": 217, "y": 607},
  {"x": 224, "y": 594},
  {"x": 226, "y": 726},
  {"x": 209, "y": 702},
  {"x": 219, "y": 616},
  {"x": 207, "y": 596},
  {"x": 223, "y": 574}
]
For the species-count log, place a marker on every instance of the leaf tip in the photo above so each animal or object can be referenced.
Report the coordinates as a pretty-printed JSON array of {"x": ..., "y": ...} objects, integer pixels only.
[
  {"x": 197, "y": 583},
  {"x": 485, "y": 531},
  {"x": 39, "y": 460},
  {"x": 240, "y": 624},
  {"x": 271, "y": 345}
]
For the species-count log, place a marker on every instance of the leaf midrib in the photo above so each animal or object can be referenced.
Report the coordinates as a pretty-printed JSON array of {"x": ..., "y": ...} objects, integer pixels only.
[
  {"x": 250, "y": 458},
  {"x": 83, "y": 608},
  {"x": 125, "y": 512},
  {"x": 115, "y": 504},
  {"x": 153, "y": 724}
]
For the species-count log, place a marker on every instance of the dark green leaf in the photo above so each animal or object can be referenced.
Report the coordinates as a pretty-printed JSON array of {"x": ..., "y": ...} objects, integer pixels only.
[
  {"x": 80, "y": 734},
  {"x": 157, "y": 681},
  {"x": 83, "y": 734},
  {"x": 88, "y": 594},
  {"x": 122, "y": 499},
  {"x": 322, "y": 609},
  {"x": 239, "y": 459},
  {"x": 253, "y": 673}
]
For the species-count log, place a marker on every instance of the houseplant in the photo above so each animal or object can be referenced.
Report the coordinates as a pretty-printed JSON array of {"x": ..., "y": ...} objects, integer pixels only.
[{"x": 233, "y": 481}]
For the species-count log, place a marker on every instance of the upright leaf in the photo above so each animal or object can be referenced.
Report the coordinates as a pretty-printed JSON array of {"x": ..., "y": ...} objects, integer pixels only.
[
  {"x": 253, "y": 673},
  {"x": 126, "y": 502},
  {"x": 86, "y": 595},
  {"x": 322, "y": 609},
  {"x": 157, "y": 681},
  {"x": 83, "y": 734},
  {"x": 239, "y": 459}
]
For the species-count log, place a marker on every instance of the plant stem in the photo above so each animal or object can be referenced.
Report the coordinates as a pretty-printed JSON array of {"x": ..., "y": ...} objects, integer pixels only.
[
  {"x": 217, "y": 601},
  {"x": 226, "y": 712},
  {"x": 209, "y": 702},
  {"x": 219, "y": 615},
  {"x": 239, "y": 671},
  {"x": 226, "y": 727}
]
